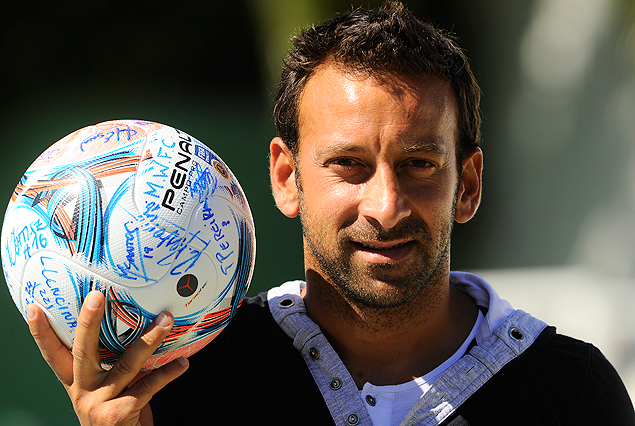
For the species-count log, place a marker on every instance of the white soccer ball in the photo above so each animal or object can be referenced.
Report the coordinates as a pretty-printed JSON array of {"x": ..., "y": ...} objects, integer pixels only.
[{"x": 142, "y": 212}]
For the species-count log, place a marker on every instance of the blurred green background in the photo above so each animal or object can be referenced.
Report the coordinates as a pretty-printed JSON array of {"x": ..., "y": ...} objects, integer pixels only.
[{"x": 559, "y": 102}]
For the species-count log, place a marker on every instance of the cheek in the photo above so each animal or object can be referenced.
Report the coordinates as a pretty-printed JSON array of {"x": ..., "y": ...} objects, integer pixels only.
[
  {"x": 434, "y": 201},
  {"x": 343, "y": 206},
  {"x": 433, "y": 195},
  {"x": 333, "y": 199}
]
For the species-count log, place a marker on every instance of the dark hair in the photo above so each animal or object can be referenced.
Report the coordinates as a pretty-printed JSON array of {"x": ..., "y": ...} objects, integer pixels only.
[{"x": 390, "y": 41}]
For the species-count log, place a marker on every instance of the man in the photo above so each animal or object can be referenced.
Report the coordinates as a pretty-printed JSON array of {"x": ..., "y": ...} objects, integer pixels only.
[{"x": 378, "y": 153}]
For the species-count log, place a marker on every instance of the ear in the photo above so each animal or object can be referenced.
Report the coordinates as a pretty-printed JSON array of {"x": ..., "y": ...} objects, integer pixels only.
[
  {"x": 282, "y": 172},
  {"x": 469, "y": 196}
]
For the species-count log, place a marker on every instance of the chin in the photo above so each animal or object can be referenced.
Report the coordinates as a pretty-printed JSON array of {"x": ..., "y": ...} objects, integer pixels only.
[{"x": 382, "y": 294}]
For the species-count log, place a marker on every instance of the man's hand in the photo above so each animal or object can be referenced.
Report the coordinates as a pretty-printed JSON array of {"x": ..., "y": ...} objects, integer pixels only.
[{"x": 102, "y": 397}]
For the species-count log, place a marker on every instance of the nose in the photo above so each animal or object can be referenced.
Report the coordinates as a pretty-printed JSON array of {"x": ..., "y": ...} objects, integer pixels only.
[{"x": 382, "y": 198}]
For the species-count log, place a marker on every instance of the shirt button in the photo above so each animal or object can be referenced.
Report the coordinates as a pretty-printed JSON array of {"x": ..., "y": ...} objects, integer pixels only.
[
  {"x": 516, "y": 334},
  {"x": 352, "y": 419},
  {"x": 371, "y": 400},
  {"x": 335, "y": 384},
  {"x": 286, "y": 303},
  {"x": 314, "y": 353}
]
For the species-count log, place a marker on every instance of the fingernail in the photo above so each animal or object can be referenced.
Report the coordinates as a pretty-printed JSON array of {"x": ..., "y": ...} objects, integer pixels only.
[
  {"x": 30, "y": 312},
  {"x": 162, "y": 320},
  {"x": 91, "y": 301},
  {"x": 182, "y": 361}
]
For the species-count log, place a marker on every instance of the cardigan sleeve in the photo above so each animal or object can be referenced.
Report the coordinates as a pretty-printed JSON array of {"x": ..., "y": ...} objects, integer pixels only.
[{"x": 605, "y": 399}]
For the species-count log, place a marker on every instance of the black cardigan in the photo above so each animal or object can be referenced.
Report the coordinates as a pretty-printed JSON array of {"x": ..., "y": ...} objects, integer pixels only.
[{"x": 251, "y": 374}]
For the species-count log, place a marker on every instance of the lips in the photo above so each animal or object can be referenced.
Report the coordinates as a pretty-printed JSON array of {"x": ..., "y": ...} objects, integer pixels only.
[
  {"x": 372, "y": 247},
  {"x": 384, "y": 252}
]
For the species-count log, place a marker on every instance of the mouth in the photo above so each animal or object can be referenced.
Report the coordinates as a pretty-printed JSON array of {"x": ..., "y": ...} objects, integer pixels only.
[
  {"x": 383, "y": 247},
  {"x": 377, "y": 252}
]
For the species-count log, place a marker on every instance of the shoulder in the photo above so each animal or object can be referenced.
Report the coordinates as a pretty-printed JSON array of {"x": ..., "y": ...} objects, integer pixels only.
[
  {"x": 558, "y": 380},
  {"x": 249, "y": 335},
  {"x": 248, "y": 369}
]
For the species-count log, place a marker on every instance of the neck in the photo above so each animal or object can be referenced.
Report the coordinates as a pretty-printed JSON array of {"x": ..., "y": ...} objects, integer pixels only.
[{"x": 387, "y": 346}]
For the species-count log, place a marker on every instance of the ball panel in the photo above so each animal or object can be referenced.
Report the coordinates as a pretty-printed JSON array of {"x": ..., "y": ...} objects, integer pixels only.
[
  {"x": 95, "y": 141},
  {"x": 24, "y": 233}
]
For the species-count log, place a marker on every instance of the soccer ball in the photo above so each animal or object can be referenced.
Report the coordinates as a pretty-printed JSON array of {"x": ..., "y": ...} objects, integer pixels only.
[{"x": 142, "y": 212}]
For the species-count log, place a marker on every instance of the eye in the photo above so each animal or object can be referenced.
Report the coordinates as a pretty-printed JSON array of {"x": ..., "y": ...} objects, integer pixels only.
[
  {"x": 419, "y": 167},
  {"x": 420, "y": 163},
  {"x": 343, "y": 162},
  {"x": 348, "y": 169}
]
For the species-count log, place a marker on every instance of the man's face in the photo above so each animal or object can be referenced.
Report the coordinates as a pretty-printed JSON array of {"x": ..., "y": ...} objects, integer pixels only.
[{"x": 377, "y": 183}]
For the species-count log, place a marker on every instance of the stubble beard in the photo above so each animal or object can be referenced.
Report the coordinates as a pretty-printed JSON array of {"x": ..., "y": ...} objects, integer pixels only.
[{"x": 384, "y": 285}]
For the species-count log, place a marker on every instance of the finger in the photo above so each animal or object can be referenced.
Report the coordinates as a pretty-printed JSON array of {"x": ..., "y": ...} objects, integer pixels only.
[
  {"x": 54, "y": 352},
  {"x": 145, "y": 417},
  {"x": 147, "y": 386},
  {"x": 86, "y": 366},
  {"x": 130, "y": 362},
  {"x": 139, "y": 376}
]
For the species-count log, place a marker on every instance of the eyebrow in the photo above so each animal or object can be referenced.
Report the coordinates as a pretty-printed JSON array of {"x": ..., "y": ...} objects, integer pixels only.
[
  {"x": 343, "y": 147},
  {"x": 426, "y": 146},
  {"x": 408, "y": 146}
]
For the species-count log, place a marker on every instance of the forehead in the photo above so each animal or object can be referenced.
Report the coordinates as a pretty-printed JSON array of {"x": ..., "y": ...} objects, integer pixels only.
[{"x": 339, "y": 105}]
